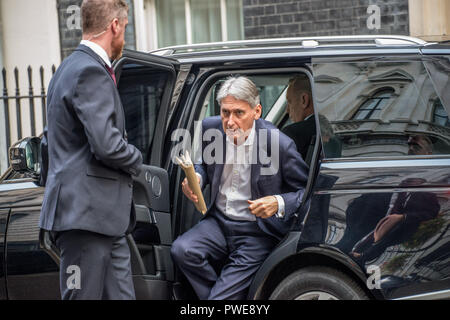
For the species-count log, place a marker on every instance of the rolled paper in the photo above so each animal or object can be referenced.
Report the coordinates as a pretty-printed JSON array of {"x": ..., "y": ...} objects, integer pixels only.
[{"x": 185, "y": 162}]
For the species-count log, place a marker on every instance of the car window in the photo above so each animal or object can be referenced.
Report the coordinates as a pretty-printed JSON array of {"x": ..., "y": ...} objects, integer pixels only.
[
  {"x": 141, "y": 91},
  {"x": 272, "y": 91},
  {"x": 379, "y": 109}
]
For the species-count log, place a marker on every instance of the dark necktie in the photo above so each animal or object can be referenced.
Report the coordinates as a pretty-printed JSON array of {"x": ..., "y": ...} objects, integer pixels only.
[{"x": 111, "y": 72}]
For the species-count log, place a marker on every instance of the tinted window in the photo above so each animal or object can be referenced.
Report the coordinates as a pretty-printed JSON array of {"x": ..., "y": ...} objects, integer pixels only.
[
  {"x": 141, "y": 91},
  {"x": 379, "y": 109}
]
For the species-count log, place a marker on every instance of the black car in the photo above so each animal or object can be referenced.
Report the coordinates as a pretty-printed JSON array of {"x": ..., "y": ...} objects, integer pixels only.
[{"x": 382, "y": 146}]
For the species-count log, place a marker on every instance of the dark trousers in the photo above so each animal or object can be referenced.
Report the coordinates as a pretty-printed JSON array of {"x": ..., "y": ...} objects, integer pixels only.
[
  {"x": 237, "y": 247},
  {"x": 94, "y": 266}
]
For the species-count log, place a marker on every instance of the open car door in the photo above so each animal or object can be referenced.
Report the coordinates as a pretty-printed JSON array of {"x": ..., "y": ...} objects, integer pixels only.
[{"x": 146, "y": 83}]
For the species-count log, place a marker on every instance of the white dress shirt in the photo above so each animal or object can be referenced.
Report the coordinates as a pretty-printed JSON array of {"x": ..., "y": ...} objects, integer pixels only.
[
  {"x": 235, "y": 182},
  {"x": 98, "y": 50}
]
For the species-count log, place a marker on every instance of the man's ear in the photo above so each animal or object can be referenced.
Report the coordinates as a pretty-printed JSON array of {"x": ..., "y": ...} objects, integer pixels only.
[
  {"x": 115, "y": 26},
  {"x": 258, "y": 111},
  {"x": 305, "y": 100}
]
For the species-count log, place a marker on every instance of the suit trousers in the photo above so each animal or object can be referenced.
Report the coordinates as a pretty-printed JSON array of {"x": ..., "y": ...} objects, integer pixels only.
[
  {"x": 94, "y": 266},
  {"x": 220, "y": 256}
]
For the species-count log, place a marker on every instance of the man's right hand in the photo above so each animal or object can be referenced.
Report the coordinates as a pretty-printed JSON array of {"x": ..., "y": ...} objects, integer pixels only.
[{"x": 188, "y": 191}]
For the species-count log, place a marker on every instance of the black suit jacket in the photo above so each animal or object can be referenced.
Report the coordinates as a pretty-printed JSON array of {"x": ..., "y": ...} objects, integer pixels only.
[
  {"x": 301, "y": 132},
  {"x": 90, "y": 163}
]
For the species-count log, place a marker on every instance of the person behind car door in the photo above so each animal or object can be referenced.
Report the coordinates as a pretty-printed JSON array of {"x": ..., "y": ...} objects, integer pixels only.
[
  {"x": 249, "y": 211},
  {"x": 300, "y": 108},
  {"x": 88, "y": 196}
]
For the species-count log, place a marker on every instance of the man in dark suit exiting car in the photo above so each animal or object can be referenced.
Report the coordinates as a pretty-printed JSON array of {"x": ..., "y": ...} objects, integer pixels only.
[
  {"x": 88, "y": 197},
  {"x": 253, "y": 202}
]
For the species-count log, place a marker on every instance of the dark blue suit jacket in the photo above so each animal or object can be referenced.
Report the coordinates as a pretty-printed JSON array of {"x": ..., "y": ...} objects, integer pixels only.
[{"x": 289, "y": 181}]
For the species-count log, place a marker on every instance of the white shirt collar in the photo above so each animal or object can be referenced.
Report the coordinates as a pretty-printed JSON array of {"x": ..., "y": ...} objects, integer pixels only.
[
  {"x": 98, "y": 50},
  {"x": 311, "y": 115}
]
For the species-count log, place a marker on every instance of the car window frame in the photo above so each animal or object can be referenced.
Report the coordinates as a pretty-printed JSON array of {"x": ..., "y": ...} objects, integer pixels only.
[
  {"x": 197, "y": 105},
  {"x": 165, "y": 64},
  {"x": 206, "y": 85}
]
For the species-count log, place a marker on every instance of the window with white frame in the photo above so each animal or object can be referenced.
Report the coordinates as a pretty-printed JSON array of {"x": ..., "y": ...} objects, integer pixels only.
[{"x": 177, "y": 22}]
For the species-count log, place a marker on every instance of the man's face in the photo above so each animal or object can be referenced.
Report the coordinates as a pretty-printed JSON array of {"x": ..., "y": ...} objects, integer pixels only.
[
  {"x": 237, "y": 117},
  {"x": 419, "y": 145},
  {"x": 118, "y": 41},
  {"x": 296, "y": 104}
]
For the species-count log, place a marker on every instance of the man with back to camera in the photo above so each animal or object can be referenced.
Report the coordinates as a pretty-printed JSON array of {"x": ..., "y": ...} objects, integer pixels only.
[
  {"x": 88, "y": 197},
  {"x": 250, "y": 211}
]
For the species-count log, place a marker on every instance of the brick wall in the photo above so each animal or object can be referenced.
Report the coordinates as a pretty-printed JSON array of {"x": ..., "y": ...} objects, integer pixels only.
[
  {"x": 294, "y": 18},
  {"x": 70, "y": 37}
]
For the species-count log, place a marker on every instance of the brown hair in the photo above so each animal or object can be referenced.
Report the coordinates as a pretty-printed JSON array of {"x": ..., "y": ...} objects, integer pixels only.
[{"x": 96, "y": 14}]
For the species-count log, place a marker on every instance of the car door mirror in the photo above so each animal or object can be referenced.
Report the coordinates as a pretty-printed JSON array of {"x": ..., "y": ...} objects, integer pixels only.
[{"x": 24, "y": 155}]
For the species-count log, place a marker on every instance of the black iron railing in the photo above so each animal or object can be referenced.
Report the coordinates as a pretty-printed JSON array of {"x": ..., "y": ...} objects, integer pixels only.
[{"x": 17, "y": 98}]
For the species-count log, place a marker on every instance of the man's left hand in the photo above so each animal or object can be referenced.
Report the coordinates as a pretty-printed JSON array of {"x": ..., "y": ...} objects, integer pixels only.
[{"x": 263, "y": 207}]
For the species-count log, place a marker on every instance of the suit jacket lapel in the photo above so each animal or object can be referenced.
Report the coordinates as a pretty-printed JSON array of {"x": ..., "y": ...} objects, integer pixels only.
[
  {"x": 216, "y": 181},
  {"x": 256, "y": 165},
  {"x": 218, "y": 170}
]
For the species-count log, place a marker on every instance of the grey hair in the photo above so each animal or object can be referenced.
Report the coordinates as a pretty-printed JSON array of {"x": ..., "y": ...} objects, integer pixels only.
[{"x": 241, "y": 88}]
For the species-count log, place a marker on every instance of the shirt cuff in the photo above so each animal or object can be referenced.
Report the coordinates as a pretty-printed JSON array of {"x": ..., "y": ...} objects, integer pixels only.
[
  {"x": 200, "y": 176},
  {"x": 280, "y": 212}
]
